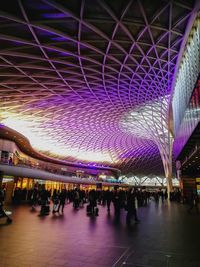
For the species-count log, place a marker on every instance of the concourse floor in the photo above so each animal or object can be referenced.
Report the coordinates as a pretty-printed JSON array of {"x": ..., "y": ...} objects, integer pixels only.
[{"x": 167, "y": 236}]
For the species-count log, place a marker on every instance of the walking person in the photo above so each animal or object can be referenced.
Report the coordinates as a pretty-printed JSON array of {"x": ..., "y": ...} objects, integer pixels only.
[
  {"x": 44, "y": 199},
  {"x": 162, "y": 196},
  {"x": 76, "y": 199},
  {"x": 108, "y": 198},
  {"x": 193, "y": 202},
  {"x": 62, "y": 197},
  {"x": 92, "y": 200},
  {"x": 117, "y": 202},
  {"x": 131, "y": 207},
  {"x": 34, "y": 197},
  {"x": 55, "y": 200}
]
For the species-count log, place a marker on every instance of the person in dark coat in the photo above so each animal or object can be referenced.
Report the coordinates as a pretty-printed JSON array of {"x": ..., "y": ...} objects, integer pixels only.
[
  {"x": 108, "y": 198},
  {"x": 92, "y": 200},
  {"x": 193, "y": 202},
  {"x": 76, "y": 198},
  {"x": 43, "y": 199},
  {"x": 34, "y": 197},
  {"x": 62, "y": 197},
  {"x": 117, "y": 202},
  {"x": 55, "y": 199},
  {"x": 131, "y": 207}
]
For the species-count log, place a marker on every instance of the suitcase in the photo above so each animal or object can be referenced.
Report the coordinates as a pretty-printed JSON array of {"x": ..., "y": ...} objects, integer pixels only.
[
  {"x": 89, "y": 209},
  {"x": 45, "y": 210},
  {"x": 96, "y": 211}
]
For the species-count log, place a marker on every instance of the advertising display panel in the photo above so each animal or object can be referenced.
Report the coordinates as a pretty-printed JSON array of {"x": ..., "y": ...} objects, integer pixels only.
[{"x": 198, "y": 185}]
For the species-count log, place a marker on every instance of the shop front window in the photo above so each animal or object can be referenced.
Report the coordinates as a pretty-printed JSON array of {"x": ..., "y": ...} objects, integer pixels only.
[{"x": 4, "y": 156}]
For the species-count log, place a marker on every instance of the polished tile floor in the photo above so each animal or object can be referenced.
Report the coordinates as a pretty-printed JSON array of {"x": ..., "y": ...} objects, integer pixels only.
[{"x": 167, "y": 236}]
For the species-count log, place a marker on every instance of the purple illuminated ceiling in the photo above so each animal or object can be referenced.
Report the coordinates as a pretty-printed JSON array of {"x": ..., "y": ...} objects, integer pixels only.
[{"x": 92, "y": 77}]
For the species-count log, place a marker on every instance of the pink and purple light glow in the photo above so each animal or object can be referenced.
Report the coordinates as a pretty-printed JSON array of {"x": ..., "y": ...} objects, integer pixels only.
[{"x": 79, "y": 82}]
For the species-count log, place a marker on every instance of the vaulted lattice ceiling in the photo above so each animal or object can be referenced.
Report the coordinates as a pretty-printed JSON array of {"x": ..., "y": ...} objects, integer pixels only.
[{"x": 91, "y": 80}]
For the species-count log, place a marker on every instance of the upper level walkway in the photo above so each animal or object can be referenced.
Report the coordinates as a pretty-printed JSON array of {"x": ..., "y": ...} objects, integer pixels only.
[
  {"x": 45, "y": 174},
  {"x": 167, "y": 236}
]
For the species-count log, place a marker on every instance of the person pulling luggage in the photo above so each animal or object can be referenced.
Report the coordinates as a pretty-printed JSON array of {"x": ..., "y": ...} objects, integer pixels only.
[
  {"x": 55, "y": 199},
  {"x": 92, "y": 207},
  {"x": 44, "y": 199}
]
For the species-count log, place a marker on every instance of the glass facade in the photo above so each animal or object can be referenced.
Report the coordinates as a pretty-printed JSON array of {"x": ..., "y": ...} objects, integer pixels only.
[
  {"x": 186, "y": 98},
  {"x": 190, "y": 120}
]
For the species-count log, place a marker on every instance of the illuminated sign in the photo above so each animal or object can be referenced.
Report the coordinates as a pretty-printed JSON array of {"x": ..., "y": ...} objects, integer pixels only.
[{"x": 198, "y": 184}]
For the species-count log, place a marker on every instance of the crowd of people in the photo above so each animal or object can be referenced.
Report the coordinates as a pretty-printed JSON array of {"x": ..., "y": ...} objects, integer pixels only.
[{"x": 120, "y": 199}]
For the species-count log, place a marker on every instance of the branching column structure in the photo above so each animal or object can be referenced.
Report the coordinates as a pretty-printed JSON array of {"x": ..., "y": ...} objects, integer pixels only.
[{"x": 150, "y": 122}]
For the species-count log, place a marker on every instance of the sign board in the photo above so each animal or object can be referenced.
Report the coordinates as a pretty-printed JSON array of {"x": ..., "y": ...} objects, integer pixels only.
[{"x": 198, "y": 185}]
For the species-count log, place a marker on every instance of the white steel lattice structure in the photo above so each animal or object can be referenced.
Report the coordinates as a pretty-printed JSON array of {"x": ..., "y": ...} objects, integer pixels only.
[
  {"x": 148, "y": 181},
  {"x": 91, "y": 80},
  {"x": 185, "y": 82}
]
